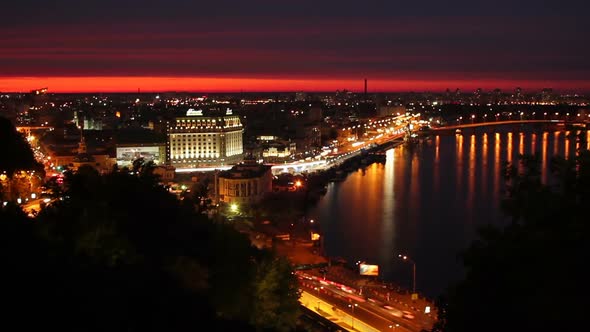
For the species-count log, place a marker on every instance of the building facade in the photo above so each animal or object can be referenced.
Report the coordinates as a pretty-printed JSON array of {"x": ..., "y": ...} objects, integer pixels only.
[
  {"x": 196, "y": 140},
  {"x": 166, "y": 173},
  {"x": 127, "y": 153},
  {"x": 246, "y": 183}
]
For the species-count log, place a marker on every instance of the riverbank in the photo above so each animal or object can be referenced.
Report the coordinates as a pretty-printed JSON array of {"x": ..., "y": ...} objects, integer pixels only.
[{"x": 306, "y": 256}]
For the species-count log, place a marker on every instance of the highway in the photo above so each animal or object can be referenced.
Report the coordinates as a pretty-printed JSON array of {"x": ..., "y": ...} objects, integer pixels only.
[{"x": 345, "y": 307}]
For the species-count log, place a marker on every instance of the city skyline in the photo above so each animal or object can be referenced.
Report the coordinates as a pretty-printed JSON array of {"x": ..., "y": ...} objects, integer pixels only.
[{"x": 107, "y": 46}]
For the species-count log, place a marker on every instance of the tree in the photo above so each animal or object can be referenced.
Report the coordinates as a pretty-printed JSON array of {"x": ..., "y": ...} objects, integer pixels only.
[
  {"x": 531, "y": 274},
  {"x": 276, "y": 296},
  {"x": 19, "y": 155},
  {"x": 123, "y": 254},
  {"x": 16, "y": 168}
]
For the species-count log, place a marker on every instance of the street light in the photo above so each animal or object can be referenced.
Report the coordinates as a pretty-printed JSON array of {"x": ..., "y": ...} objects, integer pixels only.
[
  {"x": 352, "y": 316},
  {"x": 406, "y": 258},
  {"x": 234, "y": 207}
]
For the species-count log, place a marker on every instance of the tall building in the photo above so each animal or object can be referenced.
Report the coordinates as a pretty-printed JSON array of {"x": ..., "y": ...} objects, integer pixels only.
[{"x": 199, "y": 140}]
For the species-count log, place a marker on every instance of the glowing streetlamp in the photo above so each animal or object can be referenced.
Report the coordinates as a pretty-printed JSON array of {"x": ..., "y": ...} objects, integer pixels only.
[
  {"x": 406, "y": 258},
  {"x": 234, "y": 207},
  {"x": 352, "y": 315}
]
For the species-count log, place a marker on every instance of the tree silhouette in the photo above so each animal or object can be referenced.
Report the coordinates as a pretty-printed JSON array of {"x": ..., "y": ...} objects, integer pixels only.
[
  {"x": 120, "y": 253},
  {"x": 19, "y": 155},
  {"x": 17, "y": 164},
  {"x": 276, "y": 295},
  {"x": 531, "y": 274}
]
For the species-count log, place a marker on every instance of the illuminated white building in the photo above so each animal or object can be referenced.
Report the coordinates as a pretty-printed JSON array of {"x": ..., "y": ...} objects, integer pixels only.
[
  {"x": 127, "y": 153},
  {"x": 196, "y": 140}
]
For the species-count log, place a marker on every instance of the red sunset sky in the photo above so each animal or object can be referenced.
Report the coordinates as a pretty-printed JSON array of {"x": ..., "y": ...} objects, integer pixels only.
[{"x": 262, "y": 45}]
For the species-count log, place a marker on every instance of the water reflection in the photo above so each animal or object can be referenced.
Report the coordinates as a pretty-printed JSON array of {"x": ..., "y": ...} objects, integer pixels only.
[
  {"x": 497, "y": 166},
  {"x": 544, "y": 157},
  {"x": 509, "y": 148},
  {"x": 459, "y": 163},
  {"x": 567, "y": 144},
  {"x": 437, "y": 148},
  {"x": 471, "y": 173},
  {"x": 388, "y": 206},
  {"x": 436, "y": 163},
  {"x": 556, "y": 142},
  {"x": 417, "y": 203},
  {"x": 484, "y": 163}
]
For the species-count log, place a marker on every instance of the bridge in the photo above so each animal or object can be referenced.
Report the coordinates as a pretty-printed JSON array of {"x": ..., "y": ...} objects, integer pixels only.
[{"x": 505, "y": 122}]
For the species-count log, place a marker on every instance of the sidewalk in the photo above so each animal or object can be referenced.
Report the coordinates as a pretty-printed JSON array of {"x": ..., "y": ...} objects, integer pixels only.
[{"x": 337, "y": 316}]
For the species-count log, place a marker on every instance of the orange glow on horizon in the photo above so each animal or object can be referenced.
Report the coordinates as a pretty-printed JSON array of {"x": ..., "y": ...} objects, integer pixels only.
[{"x": 226, "y": 84}]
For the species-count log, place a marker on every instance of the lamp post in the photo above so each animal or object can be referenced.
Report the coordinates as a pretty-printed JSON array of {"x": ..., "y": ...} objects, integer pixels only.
[
  {"x": 406, "y": 258},
  {"x": 352, "y": 315}
]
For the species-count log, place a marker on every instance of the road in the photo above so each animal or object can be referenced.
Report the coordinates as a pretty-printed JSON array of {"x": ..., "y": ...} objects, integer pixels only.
[
  {"x": 334, "y": 313},
  {"x": 32, "y": 207},
  {"x": 344, "y": 306}
]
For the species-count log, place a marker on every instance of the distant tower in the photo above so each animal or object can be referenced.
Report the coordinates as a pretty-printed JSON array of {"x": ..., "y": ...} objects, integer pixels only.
[
  {"x": 82, "y": 145},
  {"x": 365, "y": 104}
]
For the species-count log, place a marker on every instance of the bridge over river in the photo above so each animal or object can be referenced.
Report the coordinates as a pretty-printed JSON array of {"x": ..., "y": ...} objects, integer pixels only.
[{"x": 509, "y": 122}]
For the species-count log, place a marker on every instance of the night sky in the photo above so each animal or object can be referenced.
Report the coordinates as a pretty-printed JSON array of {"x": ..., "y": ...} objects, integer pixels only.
[{"x": 257, "y": 45}]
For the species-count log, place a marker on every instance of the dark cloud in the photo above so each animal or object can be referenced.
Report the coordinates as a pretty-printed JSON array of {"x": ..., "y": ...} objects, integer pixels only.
[{"x": 296, "y": 39}]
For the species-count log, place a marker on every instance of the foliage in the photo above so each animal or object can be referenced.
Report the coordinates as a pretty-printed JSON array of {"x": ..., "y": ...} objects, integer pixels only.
[
  {"x": 18, "y": 165},
  {"x": 529, "y": 275},
  {"x": 276, "y": 295},
  {"x": 17, "y": 152},
  {"x": 119, "y": 252}
]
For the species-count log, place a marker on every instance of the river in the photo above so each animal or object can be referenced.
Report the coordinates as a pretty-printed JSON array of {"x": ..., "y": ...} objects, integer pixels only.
[{"x": 427, "y": 202}]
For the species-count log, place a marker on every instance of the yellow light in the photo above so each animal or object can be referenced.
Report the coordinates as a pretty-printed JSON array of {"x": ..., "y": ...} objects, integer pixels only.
[{"x": 234, "y": 207}]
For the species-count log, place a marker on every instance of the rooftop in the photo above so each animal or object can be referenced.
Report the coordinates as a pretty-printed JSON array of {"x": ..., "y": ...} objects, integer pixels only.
[{"x": 246, "y": 170}]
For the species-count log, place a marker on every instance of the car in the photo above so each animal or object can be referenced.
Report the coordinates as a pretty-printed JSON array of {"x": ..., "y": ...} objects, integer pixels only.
[
  {"x": 395, "y": 312},
  {"x": 407, "y": 315}
]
